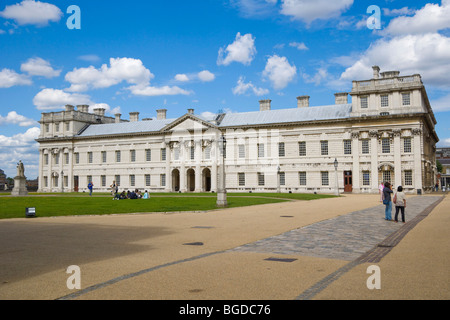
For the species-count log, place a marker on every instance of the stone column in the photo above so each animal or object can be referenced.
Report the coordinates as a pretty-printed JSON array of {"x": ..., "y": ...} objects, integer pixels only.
[
  {"x": 397, "y": 158},
  {"x": 214, "y": 157},
  {"x": 374, "y": 159},
  {"x": 168, "y": 147},
  {"x": 41, "y": 170},
  {"x": 198, "y": 168},
  {"x": 183, "y": 186},
  {"x": 418, "y": 183},
  {"x": 356, "y": 168}
]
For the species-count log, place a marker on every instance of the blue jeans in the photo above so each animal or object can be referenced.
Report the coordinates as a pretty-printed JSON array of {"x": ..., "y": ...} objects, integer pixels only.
[{"x": 388, "y": 211}]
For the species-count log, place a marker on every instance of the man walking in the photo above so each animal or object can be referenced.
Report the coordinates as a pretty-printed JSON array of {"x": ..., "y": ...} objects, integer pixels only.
[{"x": 91, "y": 188}]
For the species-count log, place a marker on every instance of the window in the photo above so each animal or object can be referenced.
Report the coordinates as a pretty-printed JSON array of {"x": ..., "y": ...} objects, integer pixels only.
[
  {"x": 57, "y": 127},
  {"x": 132, "y": 180},
  {"x": 408, "y": 178},
  {"x": 147, "y": 180},
  {"x": 384, "y": 101},
  {"x": 46, "y": 159},
  {"x": 148, "y": 155},
  {"x": 133, "y": 155},
  {"x": 192, "y": 153},
  {"x": 118, "y": 156},
  {"x": 365, "y": 147},
  {"x": 45, "y": 181},
  {"x": 282, "y": 178},
  {"x": 242, "y": 151},
  {"x": 57, "y": 158},
  {"x": 325, "y": 179},
  {"x": 302, "y": 149},
  {"x": 260, "y": 150},
  {"x": 302, "y": 178},
  {"x": 163, "y": 155},
  {"x": 66, "y": 156},
  {"x": 77, "y": 158},
  {"x": 387, "y": 176},
  {"x": 163, "y": 180},
  {"x": 407, "y": 145},
  {"x": 366, "y": 178},
  {"x": 55, "y": 181},
  {"x": 261, "y": 179},
  {"x": 103, "y": 178},
  {"x": 176, "y": 154},
  {"x": 364, "y": 102},
  {"x": 117, "y": 179},
  {"x": 89, "y": 179},
  {"x": 241, "y": 178},
  {"x": 347, "y": 147},
  {"x": 386, "y": 145},
  {"x": 324, "y": 148},
  {"x": 281, "y": 150},
  {"x": 406, "y": 99},
  {"x": 104, "y": 156},
  {"x": 66, "y": 181},
  {"x": 47, "y": 128},
  {"x": 90, "y": 157},
  {"x": 67, "y": 126}
]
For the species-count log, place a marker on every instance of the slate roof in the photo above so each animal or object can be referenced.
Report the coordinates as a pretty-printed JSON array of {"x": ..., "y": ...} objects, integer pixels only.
[{"x": 334, "y": 112}]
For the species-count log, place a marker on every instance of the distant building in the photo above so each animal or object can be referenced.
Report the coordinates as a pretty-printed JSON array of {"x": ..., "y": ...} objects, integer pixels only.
[
  {"x": 3, "y": 182},
  {"x": 443, "y": 156},
  {"x": 387, "y": 133}
]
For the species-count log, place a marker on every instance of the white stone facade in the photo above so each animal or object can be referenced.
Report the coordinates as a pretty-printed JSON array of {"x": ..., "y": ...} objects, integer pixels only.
[{"x": 385, "y": 133}]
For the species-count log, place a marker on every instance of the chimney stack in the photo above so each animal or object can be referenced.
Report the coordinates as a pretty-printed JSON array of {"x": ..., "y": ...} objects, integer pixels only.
[
  {"x": 376, "y": 72},
  {"x": 100, "y": 112},
  {"x": 134, "y": 116},
  {"x": 191, "y": 111},
  {"x": 341, "y": 98},
  {"x": 83, "y": 108},
  {"x": 118, "y": 115},
  {"x": 265, "y": 105},
  {"x": 303, "y": 101},
  {"x": 69, "y": 108},
  {"x": 162, "y": 114}
]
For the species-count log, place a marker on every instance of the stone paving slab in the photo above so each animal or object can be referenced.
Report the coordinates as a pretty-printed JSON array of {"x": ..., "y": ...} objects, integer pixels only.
[{"x": 346, "y": 237}]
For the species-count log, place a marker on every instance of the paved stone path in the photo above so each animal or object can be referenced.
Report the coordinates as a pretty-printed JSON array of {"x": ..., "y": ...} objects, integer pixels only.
[{"x": 347, "y": 237}]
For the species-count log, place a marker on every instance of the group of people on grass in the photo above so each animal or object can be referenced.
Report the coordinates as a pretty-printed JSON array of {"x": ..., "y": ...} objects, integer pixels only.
[
  {"x": 136, "y": 194},
  {"x": 389, "y": 197}
]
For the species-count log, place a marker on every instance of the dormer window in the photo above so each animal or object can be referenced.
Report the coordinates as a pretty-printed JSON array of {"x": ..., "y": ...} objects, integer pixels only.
[{"x": 384, "y": 101}]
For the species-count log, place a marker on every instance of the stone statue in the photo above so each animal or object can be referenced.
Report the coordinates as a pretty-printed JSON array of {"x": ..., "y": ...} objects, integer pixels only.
[{"x": 20, "y": 170}]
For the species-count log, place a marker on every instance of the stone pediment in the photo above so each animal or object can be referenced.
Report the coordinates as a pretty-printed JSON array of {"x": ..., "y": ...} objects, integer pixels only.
[{"x": 189, "y": 122}]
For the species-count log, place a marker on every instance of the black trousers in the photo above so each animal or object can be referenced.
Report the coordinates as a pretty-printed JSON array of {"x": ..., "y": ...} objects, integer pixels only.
[{"x": 397, "y": 211}]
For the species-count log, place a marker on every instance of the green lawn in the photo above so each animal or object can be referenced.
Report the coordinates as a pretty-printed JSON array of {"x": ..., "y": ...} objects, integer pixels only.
[{"x": 55, "y": 205}]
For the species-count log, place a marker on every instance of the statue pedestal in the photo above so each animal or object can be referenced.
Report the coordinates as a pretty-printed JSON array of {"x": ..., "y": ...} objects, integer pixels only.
[{"x": 20, "y": 187}]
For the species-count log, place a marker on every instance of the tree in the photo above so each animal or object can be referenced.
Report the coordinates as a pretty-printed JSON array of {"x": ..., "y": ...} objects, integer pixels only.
[{"x": 439, "y": 166}]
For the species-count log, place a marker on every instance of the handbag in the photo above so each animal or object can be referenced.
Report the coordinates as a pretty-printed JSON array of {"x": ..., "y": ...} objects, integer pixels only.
[{"x": 386, "y": 202}]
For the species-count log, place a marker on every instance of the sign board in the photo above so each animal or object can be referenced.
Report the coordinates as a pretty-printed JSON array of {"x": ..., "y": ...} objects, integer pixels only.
[{"x": 31, "y": 212}]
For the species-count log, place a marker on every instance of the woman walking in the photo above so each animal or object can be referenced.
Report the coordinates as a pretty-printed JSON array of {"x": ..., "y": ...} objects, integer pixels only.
[
  {"x": 387, "y": 192},
  {"x": 400, "y": 204}
]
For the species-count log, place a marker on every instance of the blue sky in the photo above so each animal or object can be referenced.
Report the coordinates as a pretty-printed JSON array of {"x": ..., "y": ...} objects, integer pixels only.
[{"x": 208, "y": 55}]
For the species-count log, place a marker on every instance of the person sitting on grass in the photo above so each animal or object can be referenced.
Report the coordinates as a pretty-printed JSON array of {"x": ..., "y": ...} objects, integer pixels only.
[
  {"x": 146, "y": 195},
  {"x": 117, "y": 196},
  {"x": 123, "y": 196}
]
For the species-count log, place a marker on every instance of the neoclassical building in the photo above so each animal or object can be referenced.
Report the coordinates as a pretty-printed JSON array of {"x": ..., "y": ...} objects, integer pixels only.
[{"x": 386, "y": 133}]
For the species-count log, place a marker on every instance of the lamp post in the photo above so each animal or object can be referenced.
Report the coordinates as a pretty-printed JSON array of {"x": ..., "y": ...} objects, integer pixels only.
[
  {"x": 62, "y": 181},
  {"x": 222, "y": 191},
  {"x": 279, "y": 179},
  {"x": 336, "y": 164}
]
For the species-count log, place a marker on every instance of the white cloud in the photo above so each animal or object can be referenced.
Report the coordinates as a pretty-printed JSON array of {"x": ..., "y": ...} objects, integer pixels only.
[
  {"x": 30, "y": 12},
  {"x": 251, "y": 8},
  {"x": 14, "y": 118},
  {"x": 444, "y": 143},
  {"x": 206, "y": 76},
  {"x": 427, "y": 54},
  {"x": 311, "y": 10},
  {"x": 39, "y": 67},
  {"x": 243, "y": 88},
  {"x": 431, "y": 18},
  {"x": 21, "y": 139},
  {"x": 242, "y": 50},
  {"x": 279, "y": 72},
  {"x": 129, "y": 70},
  {"x": 51, "y": 99},
  {"x": 182, "y": 77},
  {"x": 398, "y": 12},
  {"x": 10, "y": 78},
  {"x": 299, "y": 45},
  {"x": 150, "y": 91},
  {"x": 320, "y": 75}
]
